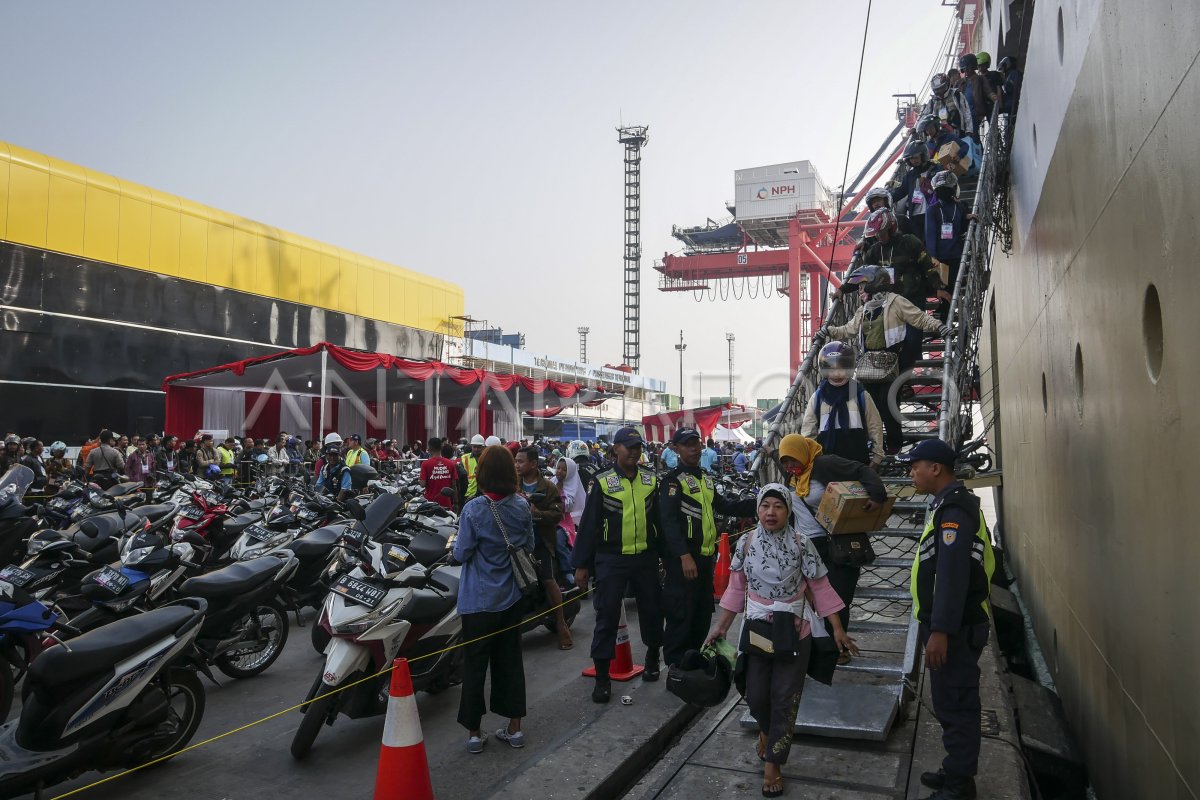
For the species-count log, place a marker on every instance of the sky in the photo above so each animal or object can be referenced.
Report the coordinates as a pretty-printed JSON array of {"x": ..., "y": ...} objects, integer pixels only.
[{"x": 475, "y": 141}]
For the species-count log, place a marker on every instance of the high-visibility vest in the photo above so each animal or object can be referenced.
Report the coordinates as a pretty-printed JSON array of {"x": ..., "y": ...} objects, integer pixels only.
[
  {"x": 924, "y": 569},
  {"x": 353, "y": 456},
  {"x": 627, "y": 500},
  {"x": 696, "y": 505},
  {"x": 470, "y": 463},
  {"x": 226, "y": 457}
]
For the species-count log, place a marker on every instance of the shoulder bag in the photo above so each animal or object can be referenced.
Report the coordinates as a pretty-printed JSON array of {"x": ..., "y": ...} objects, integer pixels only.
[
  {"x": 848, "y": 549},
  {"x": 524, "y": 564}
]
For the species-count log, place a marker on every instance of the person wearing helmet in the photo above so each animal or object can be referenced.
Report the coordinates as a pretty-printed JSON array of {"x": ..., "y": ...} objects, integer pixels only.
[
  {"x": 335, "y": 475},
  {"x": 58, "y": 466},
  {"x": 467, "y": 487},
  {"x": 841, "y": 416},
  {"x": 1010, "y": 91},
  {"x": 690, "y": 503},
  {"x": 945, "y": 231},
  {"x": 911, "y": 194},
  {"x": 579, "y": 452},
  {"x": 877, "y": 198},
  {"x": 332, "y": 438},
  {"x": 493, "y": 441},
  {"x": 948, "y": 104},
  {"x": 883, "y": 323},
  {"x": 913, "y": 272}
]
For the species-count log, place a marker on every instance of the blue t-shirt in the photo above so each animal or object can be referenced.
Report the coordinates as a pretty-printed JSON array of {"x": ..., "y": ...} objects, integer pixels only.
[
  {"x": 670, "y": 458},
  {"x": 708, "y": 457},
  {"x": 740, "y": 462}
]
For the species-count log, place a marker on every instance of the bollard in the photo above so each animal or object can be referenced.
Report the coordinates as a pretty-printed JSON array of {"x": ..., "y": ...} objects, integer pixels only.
[{"x": 403, "y": 767}]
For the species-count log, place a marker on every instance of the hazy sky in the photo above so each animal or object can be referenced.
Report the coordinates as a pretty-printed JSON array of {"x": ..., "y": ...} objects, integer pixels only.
[{"x": 474, "y": 140}]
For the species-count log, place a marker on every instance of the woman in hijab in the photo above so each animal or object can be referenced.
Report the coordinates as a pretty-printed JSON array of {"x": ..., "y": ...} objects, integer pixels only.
[
  {"x": 809, "y": 471},
  {"x": 775, "y": 575},
  {"x": 574, "y": 496}
]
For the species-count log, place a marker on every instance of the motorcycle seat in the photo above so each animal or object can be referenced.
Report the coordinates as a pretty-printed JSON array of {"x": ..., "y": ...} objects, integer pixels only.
[
  {"x": 427, "y": 606},
  {"x": 427, "y": 547},
  {"x": 239, "y": 523},
  {"x": 100, "y": 650},
  {"x": 315, "y": 544},
  {"x": 233, "y": 580},
  {"x": 156, "y": 512},
  {"x": 93, "y": 533}
]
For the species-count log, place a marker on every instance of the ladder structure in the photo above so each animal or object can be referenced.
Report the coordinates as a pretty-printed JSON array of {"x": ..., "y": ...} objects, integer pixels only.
[
  {"x": 938, "y": 399},
  {"x": 634, "y": 138}
]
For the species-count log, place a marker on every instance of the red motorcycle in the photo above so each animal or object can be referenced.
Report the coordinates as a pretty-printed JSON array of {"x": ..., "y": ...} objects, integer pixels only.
[{"x": 202, "y": 523}]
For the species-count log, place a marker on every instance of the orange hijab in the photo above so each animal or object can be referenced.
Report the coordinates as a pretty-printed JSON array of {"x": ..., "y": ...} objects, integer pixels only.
[{"x": 805, "y": 451}]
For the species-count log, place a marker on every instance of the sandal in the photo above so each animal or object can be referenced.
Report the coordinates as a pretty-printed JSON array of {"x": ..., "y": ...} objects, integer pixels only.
[
  {"x": 564, "y": 639},
  {"x": 774, "y": 789}
]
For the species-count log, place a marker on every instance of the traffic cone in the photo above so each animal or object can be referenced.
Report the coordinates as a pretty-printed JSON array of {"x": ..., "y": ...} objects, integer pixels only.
[
  {"x": 622, "y": 667},
  {"x": 403, "y": 768},
  {"x": 721, "y": 568}
]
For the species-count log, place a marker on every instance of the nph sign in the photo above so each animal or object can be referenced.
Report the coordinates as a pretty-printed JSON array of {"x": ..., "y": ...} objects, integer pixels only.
[{"x": 781, "y": 190}]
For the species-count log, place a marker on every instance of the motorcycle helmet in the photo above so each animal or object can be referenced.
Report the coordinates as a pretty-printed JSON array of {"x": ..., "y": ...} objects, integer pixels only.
[
  {"x": 918, "y": 149},
  {"x": 836, "y": 355},
  {"x": 968, "y": 61},
  {"x": 872, "y": 279},
  {"x": 939, "y": 84},
  {"x": 293, "y": 441},
  {"x": 213, "y": 471},
  {"x": 879, "y": 193},
  {"x": 58, "y": 449},
  {"x": 881, "y": 219},
  {"x": 983, "y": 59},
  {"x": 491, "y": 441},
  {"x": 946, "y": 180},
  {"x": 1007, "y": 64},
  {"x": 925, "y": 122},
  {"x": 333, "y": 438},
  {"x": 576, "y": 449},
  {"x": 700, "y": 678}
]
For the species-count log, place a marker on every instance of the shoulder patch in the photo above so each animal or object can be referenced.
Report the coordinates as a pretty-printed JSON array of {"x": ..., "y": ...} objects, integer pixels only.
[
  {"x": 613, "y": 483},
  {"x": 647, "y": 479},
  {"x": 949, "y": 535},
  {"x": 708, "y": 482}
]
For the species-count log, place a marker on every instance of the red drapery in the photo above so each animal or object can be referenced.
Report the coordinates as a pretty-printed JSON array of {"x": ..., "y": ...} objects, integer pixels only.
[
  {"x": 659, "y": 427},
  {"x": 185, "y": 411},
  {"x": 262, "y": 415},
  {"x": 414, "y": 424}
]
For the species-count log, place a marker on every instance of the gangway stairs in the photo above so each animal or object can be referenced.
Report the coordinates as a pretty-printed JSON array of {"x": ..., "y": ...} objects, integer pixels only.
[{"x": 870, "y": 693}]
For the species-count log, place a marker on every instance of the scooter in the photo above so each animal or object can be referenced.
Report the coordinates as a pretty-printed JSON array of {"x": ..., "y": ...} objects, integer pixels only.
[
  {"x": 387, "y": 606},
  {"x": 116, "y": 698},
  {"x": 24, "y": 623}
]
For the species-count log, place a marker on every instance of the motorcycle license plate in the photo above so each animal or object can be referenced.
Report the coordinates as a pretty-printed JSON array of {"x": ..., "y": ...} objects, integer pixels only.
[
  {"x": 260, "y": 533},
  {"x": 58, "y": 502},
  {"x": 15, "y": 575},
  {"x": 112, "y": 580},
  {"x": 358, "y": 591},
  {"x": 308, "y": 514},
  {"x": 191, "y": 511}
]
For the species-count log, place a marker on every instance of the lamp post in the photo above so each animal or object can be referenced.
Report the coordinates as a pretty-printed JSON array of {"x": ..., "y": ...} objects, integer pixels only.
[
  {"x": 681, "y": 347},
  {"x": 729, "y": 412}
]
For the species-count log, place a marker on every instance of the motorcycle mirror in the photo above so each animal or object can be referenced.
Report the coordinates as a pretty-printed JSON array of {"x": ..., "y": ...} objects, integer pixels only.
[{"x": 192, "y": 538}]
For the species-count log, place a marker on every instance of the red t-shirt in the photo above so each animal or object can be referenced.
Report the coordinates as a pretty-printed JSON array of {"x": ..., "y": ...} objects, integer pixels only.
[{"x": 437, "y": 473}]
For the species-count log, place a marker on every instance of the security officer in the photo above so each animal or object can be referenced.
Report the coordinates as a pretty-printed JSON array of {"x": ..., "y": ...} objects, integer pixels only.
[
  {"x": 355, "y": 455},
  {"x": 618, "y": 542},
  {"x": 689, "y": 500},
  {"x": 951, "y": 583},
  {"x": 467, "y": 489},
  {"x": 335, "y": 475}
]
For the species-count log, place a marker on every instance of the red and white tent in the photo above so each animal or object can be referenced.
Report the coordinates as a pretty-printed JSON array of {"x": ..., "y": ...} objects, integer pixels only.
[
  {"x": 311, "y": 391},
  {"x": 660, "y": 427}
]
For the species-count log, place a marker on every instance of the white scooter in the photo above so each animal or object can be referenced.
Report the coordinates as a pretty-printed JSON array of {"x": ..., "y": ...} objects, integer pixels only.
[{"x": 387, "y": 606}]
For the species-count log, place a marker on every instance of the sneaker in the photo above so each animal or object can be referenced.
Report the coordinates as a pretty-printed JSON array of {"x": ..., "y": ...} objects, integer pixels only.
[
  {"x": 515, "y": 740},
  {"x": 602, "y": 693},
  {"x": 475, "y": 743}
]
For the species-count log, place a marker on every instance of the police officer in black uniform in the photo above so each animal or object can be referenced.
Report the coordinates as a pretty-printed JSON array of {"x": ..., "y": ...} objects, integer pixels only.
[
  {"x": 951, "y": 583},
  {"x": 689, "y": 501},
  {"x": 618, "y": 542}
]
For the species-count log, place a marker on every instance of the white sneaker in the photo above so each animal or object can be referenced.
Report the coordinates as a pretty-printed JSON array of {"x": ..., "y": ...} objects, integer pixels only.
[
  {"x": 475, "y": 743},
  {"x": 516, "y": 740}
]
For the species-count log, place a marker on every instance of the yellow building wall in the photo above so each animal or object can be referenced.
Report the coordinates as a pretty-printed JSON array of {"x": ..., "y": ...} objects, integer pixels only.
[{"x": 55, "y": 205}]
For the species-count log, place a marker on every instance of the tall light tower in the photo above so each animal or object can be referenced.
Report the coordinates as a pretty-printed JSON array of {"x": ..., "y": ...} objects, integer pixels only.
[
  {"x": 634, "y": 138},
  {"x": 681, "y": 347},
  {"x": 729, "y": 413},
  {"x": 583, "y": 333}
]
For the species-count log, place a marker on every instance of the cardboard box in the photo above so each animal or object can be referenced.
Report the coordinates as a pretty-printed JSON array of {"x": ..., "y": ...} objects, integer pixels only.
[
  {"x": 841, "y": 509},
  {"x": 953, "y": 158}
]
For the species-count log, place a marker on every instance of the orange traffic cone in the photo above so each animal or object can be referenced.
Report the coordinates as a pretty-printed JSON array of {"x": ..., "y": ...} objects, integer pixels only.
[
  {"x": 622, "y": 667},
  {"x": 721, "y": 568},
  {"x": 403, "y": 768}
]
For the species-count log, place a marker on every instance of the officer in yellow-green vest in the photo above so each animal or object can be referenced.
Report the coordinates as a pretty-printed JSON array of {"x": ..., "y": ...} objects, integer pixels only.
[
  {"x": 355, "y": 455},
  {"x": 226, "y": 456},
  {"x": 618, "y": 543},
  {"x": 689, "y": 502},
  {"x": 951, "y": 583},
  {"x": 467, "y": 488}
]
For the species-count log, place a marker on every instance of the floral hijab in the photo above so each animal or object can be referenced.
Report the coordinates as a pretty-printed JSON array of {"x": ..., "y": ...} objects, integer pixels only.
[{"x": 777, "y": 563}]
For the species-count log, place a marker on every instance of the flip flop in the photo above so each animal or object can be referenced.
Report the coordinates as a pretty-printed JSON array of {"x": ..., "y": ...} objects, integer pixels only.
[{"x": 773, "y": 789}]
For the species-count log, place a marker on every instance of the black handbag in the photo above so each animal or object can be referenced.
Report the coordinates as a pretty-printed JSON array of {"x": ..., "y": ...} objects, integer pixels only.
[
  {"x": 851, "y": 549},
  {"x": 524, "y": 564}
]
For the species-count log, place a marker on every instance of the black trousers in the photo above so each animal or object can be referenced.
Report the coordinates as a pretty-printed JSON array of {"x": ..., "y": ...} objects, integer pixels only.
[
  {"x": 613, "y": 574},
  {"x": 843, "y": 579},
  {"x": 502, "y": 652},
  {"x": 773, "y": 691},
  {"x": 891, "y": 426},
  {"x": 955, "y": 692},
  {"x": 687, "y": 606}
]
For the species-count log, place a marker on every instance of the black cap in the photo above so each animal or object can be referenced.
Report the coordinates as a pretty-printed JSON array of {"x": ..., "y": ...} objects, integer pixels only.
[
  {"x": 684, "y": 434},
  {"x": 934, "y": 450},
  {"x": 629, "y": 437}
]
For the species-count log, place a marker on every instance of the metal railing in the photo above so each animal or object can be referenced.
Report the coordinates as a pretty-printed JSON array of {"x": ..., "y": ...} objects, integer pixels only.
[{"x": 960, "y": 365}]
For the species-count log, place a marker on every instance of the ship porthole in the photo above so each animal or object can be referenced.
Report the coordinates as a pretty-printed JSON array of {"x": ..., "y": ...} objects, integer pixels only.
[
  {"x": 1061, "y": 36},
  {"x": 1045, "y": 404},
  {"x": 1078, "y": 380},
  {"x": 1152, "y": 332}
]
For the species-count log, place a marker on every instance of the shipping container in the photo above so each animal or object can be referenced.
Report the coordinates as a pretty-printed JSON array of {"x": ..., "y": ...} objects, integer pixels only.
[{"x": 779, "y": 190}]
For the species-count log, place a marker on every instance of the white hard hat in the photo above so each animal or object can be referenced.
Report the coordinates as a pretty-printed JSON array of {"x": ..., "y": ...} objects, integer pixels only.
[
  {"x": 333, "y": 438},
  {"x": 478, "y": 440},
  {"x": 491, "y": 441}
]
